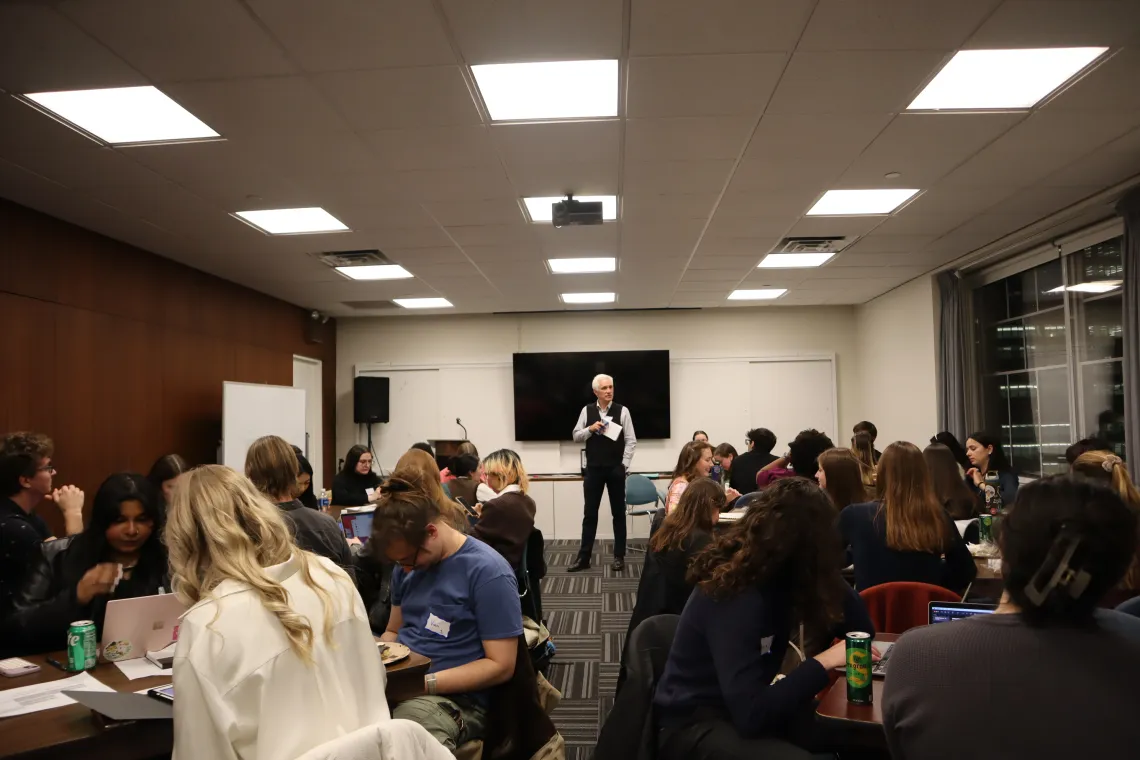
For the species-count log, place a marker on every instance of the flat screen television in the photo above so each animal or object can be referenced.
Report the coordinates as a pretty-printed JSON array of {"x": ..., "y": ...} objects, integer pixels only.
[{"x": 552, "y": 388}]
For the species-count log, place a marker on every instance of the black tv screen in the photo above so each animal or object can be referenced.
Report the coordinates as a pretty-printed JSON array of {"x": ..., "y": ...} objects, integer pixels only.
[{"x": 552, "y": 388}]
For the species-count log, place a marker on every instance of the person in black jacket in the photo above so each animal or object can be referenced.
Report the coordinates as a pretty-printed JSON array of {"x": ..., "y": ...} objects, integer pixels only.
[
  {"x": 505, "y": 522},
  {"x": 272, "y": 466},
  {"x": 350, "y": 486},
  {"x": 164, "y": 474},
  {"x": 760, "y": 442},
  {"x": 118, "y": 556}
]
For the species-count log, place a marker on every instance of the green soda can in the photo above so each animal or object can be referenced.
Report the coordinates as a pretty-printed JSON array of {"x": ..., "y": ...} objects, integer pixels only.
[
  {"x": 985, "y": 528},
  {"x": 81, "y": 651},
  {"x": 859, "y": 668}
]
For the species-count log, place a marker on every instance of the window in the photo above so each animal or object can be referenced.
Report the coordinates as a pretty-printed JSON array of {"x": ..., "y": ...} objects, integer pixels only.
[{"x": 1050, "y": 357}]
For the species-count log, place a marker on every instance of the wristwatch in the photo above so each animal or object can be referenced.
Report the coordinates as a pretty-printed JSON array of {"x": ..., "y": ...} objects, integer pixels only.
[{"x": 429, "y": 683}]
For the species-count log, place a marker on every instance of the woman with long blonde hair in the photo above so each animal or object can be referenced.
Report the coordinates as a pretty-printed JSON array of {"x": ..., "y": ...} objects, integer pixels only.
[
  {"x": 274, "y": 655},
  {"x": 1106, "y": 467},
  {"x": 905, "y": 535},
  {"x": 420, "y": 469}
]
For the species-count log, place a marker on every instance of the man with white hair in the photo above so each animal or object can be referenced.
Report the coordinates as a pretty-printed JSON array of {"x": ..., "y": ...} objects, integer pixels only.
[{"x": 607, "y": 464}]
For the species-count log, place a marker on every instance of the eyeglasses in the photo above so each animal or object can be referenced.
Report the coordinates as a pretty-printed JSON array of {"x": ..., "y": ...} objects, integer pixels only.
[
  {"x": 409, "y": 565},
  {"x": 47, "y": 468}
]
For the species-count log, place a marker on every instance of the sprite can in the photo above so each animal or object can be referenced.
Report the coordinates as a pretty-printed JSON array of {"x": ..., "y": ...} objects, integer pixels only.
[
  {"x": 81, "y": 651},
  {"x": 859, "y": 668},
  {"x": 985, "y": 528}
]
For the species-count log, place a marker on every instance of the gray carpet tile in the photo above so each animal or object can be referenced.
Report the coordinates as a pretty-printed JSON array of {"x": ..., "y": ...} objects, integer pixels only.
[
  {"x": 573, "y": 601},
  {"x": 574, "y": 647},
  {"x": 572, "y": 584},
  {"x": 615, "y": 622},
  {"x": 620, "y": 601},
  {"x": 611, "y": 647},
  {"x": 576, "y": 680},
  {"x": 577, "y": 720},
  {"x": 573, "y": 621}
]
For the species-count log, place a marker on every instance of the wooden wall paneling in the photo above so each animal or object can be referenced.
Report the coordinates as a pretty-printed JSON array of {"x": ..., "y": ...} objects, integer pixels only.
[
  {"x": 27, "y": 345},
  {"x": 254, "y": 364},
  {"x": 30, "y": 255},
  {"x": 194, "y": 368}
]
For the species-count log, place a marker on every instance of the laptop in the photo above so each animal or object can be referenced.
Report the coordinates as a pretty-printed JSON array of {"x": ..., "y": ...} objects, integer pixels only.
[
  {"x": 357, "y": 523},
  {"x": 133, "y": 627},
  {"x": 937, "y": 612}
]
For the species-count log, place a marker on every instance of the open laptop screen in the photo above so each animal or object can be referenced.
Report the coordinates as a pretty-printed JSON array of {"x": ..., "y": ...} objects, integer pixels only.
[
  {"x": 357, "y": 525},
  {"x": 945, "y": 612}
]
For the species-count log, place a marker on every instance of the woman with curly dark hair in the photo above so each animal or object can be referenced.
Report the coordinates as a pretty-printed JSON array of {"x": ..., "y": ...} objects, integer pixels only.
[{"x": 774, "y": 571}]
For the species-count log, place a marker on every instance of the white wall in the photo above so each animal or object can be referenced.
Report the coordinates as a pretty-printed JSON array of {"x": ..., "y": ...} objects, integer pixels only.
[
  {"x": 897, "y": 355},
  {"x": 705, "y": 334}
]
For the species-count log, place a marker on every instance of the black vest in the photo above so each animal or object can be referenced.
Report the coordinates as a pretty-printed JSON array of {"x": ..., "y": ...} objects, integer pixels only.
[{"x": 601, "y": 451}]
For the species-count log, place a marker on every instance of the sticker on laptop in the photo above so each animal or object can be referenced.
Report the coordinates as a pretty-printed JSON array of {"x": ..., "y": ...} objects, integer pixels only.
[{"x": 117, "y": 650}]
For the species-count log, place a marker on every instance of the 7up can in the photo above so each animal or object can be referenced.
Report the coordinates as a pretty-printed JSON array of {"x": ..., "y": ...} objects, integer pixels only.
[
  {"x": 81, "y": 646},
  {"x": 859, "y": 668}
]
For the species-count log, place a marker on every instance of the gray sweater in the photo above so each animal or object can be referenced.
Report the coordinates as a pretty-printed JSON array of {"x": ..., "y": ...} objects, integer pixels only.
[{"x": 991, "y": 687}]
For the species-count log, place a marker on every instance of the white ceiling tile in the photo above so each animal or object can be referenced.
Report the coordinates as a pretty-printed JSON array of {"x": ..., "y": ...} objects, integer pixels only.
[
  {"x": 720, "y": 288},
  {"x": 845, "y": 82},
  {"x": 41, "y": 51},
  {"x": 429, "y": 96},
  {"x": 584, "y": 283},
  {"x": 1111, "y": 85},
  {"x": 855, "y": 258},
  {"x": 496, "y": 256},
  {"x": 702, "y": 85},
  {"x": 1059, "y": 23},
  {"x": 23, "y": 128},
  {"x": 510, "y": 31},
  {"x": 732, "y": 263},
  {"x": 642, "y": 207},
  {"x": 686, "y": 139},
  {"x": 672, "y": 237},
  {"x": 530, "y": 271},
  {"x": 461, "y": 213},
  {"x": 792, "y": 202},
  {"x": 435, "y": 273},
  {"x": 456, "y": 147},
  {"x": 652, "y": 269},
  {"x": 754, "y": 248},
  {"x": 774, "y": 278},
  {"x": 549, "y": 180},
  {"x": 470, "y": 290},
  {"x": 434, "y": 257},
  {"x": 671, "y": 27},
  {"x": 480, "y": 183},
  {"x": 254, "y": 108},
  {"x": 516, "y": 234},
  {"x": 1104, "y": 167},
  {"x": 341, "y": 35},
  {"x": 804, "y": 151},
  {"x": 587, "y": 240},
  {"x": 943, "y": 208},
  {"x": 522, "y": 145},
  {"x": 165, "y": 205},
  {"x": 181, "y": 40},
  {"x": 701, "y": 299},
  {"x": 303, "y": 156},
  {"x": 835, "y": 225},
  {"x": 959, "y": 242},
  {"x": 86, "y": 167},
  {"x": 683, "y": 176},
  {"x": 893, "y": 24},
  {"x": 722, "y": 276},
  {"x": 740, "y": 226},
  {"x": 888, "y": 243},
  {"x": 924, "y": 148},
  {"x": 365, "y": 216}
]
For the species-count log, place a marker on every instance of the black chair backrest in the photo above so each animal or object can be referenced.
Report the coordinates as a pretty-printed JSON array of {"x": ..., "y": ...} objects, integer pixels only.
[{"x": 630, "y": 732}]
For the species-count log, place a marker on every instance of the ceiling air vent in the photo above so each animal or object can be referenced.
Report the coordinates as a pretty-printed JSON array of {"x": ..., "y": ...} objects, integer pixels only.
[
  {"x": 372, "y": 305},
  {"x": 813, "y": 244},
  {"x": 352, "y": 258}
]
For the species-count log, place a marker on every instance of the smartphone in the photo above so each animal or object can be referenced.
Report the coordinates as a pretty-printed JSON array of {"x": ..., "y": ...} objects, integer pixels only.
[
  {"x": 15, "y": 666},
  {"x": 468, "y": 507},
  {"x": 165, "y": 693}
]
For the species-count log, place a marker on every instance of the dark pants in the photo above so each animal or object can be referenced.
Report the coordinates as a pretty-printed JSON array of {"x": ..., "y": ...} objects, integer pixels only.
[
  {"x": 611, "y": 479},
  {"x": 718, "y": 740}
]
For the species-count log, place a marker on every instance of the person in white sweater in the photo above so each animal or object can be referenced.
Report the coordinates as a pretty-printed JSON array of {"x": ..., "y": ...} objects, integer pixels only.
[{"x": 274, "y": 655}]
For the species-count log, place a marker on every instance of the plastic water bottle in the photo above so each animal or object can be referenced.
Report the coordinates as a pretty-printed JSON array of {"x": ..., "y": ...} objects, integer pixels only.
[{"x": 326, "y": 500}]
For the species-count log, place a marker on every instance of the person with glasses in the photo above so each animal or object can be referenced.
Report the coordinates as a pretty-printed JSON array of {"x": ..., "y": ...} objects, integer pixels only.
[
  {"x": 356, "y": 485},
  {"x": 455, "y": 600},
  {"x": 26, "y": 472}
]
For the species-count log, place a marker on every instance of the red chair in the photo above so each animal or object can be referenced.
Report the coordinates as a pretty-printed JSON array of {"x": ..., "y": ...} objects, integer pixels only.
[{"x": 898, "y": 607}]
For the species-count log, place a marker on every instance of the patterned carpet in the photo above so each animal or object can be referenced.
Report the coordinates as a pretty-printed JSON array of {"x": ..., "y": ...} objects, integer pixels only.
[{"x": 587, "y": 614}]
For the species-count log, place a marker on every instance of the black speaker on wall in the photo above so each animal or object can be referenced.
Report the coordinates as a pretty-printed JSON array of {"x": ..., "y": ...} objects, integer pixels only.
[{"x": 370, "y": 399}]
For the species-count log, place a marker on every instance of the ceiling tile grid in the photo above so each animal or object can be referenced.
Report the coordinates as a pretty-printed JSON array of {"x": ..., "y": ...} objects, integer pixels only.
[{"x": 735, "y": 117}]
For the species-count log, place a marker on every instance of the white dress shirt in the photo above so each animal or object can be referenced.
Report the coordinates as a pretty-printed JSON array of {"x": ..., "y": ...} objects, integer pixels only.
[
  {"x": 241, "y": 692},
  {"x": 583, "y": 433}
]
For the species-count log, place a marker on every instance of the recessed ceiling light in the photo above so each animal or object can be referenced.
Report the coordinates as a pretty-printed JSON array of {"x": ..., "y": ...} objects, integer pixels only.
[
  {"x": 539, "y": 209},
  {"x": 794, "y": 260},
  {"x": 292, "y": 221},
  {"x": 423, "y": 303},
  {"x": 857, "y": 202},
  {"x": 1102, "y": 286},
  {"x": 554, "y": 90},
  {"x": 762, "y": 294},
  {"x": 987, "y": 79},
  {"x": 375, "y": 272},
  {"x": 124, "y": 115},
  {"x": 582, "y": 266},
  {"x": 589, "y": 297}
]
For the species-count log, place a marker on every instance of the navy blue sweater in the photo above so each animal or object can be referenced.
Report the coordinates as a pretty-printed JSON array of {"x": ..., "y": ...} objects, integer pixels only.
[
  {"x": 864, "y": 531},
  {"x": 726, "y": 653}
]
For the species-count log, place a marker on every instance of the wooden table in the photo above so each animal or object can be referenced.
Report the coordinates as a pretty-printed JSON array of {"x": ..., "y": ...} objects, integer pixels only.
[
  {"x": 73, "y": 731},
  {"x": 863, "y": 723}
]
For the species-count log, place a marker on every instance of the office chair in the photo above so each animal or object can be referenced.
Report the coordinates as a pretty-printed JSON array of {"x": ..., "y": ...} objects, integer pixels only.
[{"x": 640, "y": 492}]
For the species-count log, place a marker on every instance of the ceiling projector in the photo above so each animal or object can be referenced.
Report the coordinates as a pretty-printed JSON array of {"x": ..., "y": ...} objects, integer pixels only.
[{"x": 572, "y": 213}]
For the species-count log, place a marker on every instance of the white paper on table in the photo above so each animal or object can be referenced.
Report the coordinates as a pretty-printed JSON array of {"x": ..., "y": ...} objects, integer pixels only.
[
  {"x": 612, "y": 431},
  {"x": 46, "y": 696},
  {"x": 140, "y": 667}
]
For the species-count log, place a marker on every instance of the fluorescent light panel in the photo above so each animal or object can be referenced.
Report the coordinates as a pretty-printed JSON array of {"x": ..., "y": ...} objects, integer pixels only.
[
  {"x": 423, "y": 303},
  {"x": 375, "y": 272},
  {"x": 293, "y": 221},
  {"x": 794, "y": 260},
  {"x": 991, "y": 79},
  {"x": 555, "y": 90},
  {"x": 1103, "y": 286},
  {"x": 582, "y": 266},
  {"x": 539, "y": 208},
  {"x": 860, "y": 202},
  {"x": 124, "y": 115},
  {"x": 762, "y": 294},
  {"x": 589, "y": 297}
]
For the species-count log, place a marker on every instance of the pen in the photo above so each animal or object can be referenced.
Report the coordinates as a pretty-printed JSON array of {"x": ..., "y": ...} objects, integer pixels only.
[{"x": 57, "y": 664}]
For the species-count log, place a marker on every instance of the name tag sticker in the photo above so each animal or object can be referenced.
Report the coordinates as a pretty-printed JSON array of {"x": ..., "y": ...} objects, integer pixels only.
[
  {"x": 766, "y": 644},
  {"x": 438, "y": 625}
]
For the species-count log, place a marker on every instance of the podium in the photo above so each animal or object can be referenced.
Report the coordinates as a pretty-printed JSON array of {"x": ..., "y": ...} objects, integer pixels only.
[{"x": 445, "y": 449}]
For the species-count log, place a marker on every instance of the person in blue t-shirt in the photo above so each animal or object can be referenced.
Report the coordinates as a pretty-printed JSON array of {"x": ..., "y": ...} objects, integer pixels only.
[{"x": 454, "y": 600}]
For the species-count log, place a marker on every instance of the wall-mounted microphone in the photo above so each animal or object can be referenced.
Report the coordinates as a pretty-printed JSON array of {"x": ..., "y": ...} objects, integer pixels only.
[{"x": 459, "y": 422}]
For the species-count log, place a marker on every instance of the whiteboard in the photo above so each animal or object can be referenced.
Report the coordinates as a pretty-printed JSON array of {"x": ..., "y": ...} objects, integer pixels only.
[
  {"x": 789, "y": 396},
  {"x": 250, "y": 411}
]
